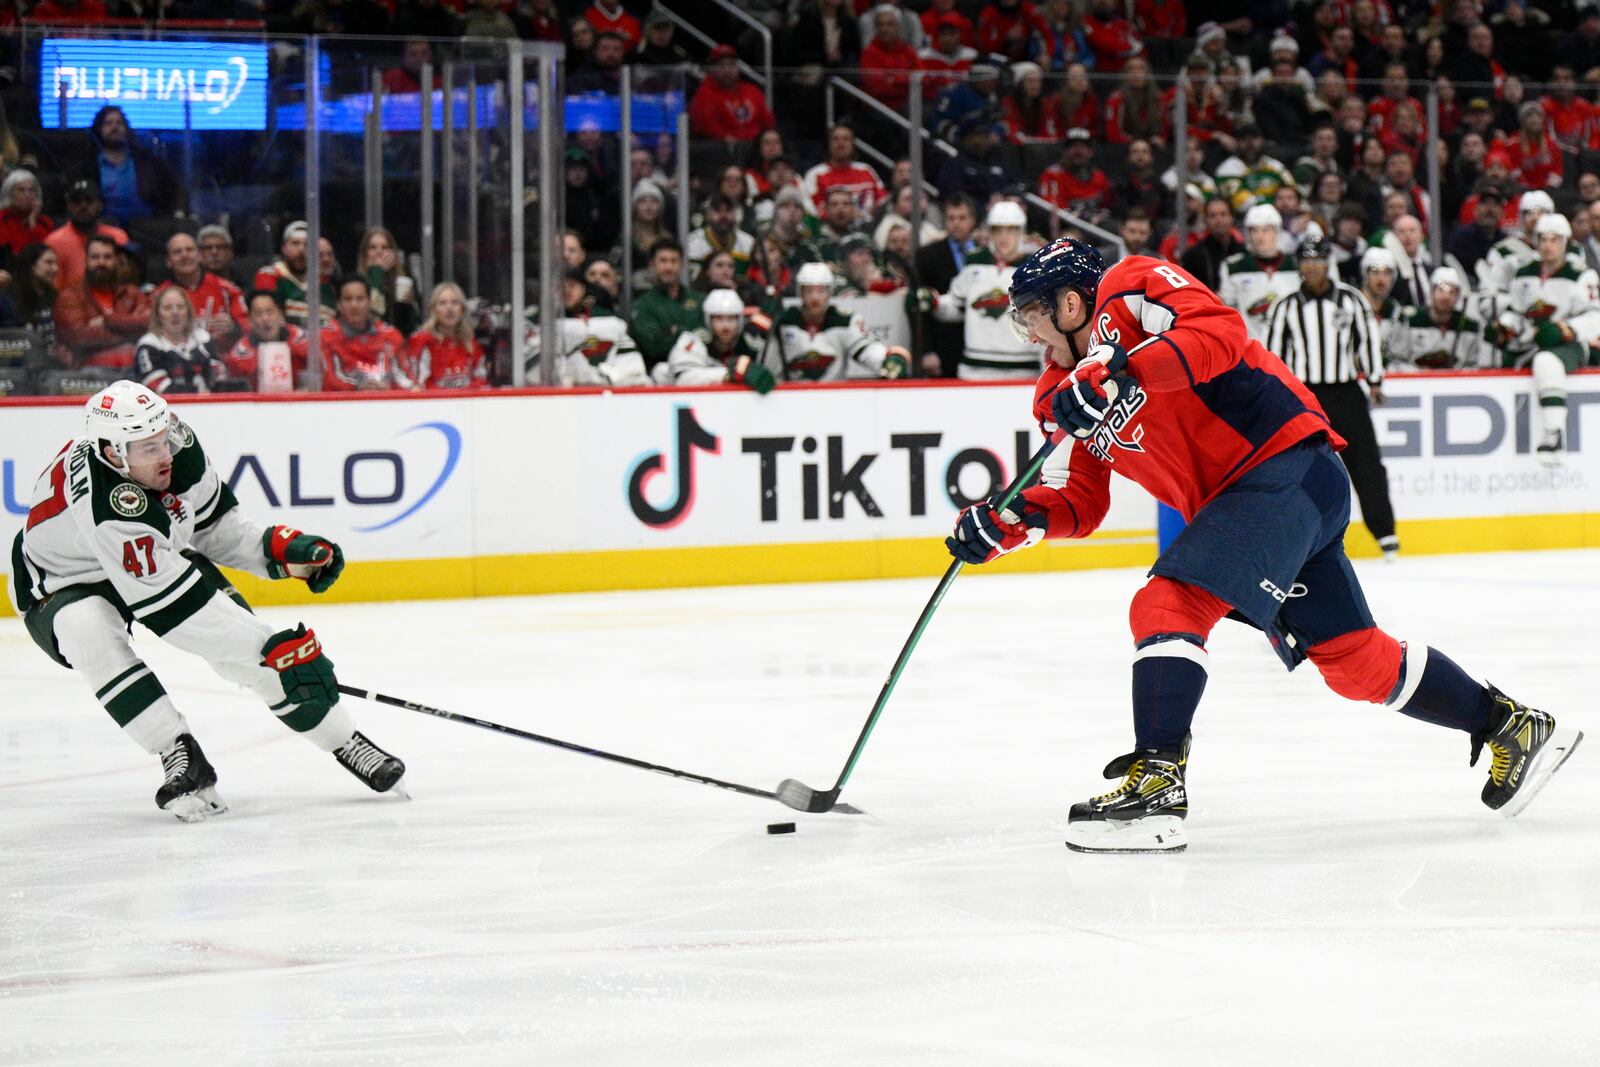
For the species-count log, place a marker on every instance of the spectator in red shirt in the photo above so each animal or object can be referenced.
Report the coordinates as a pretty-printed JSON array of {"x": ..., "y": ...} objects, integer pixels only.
[
  {"x": 1031, "y": 115},
  {"x": 1396, "y": 91},
  {"x": 1013, "y": 29},
  {"x": 443, "y": 354},
  {"x": 1111, "y": 35},
  {"x": 726, "y": 107},
  {"x": 942, "y": 12},
  {"x": 21, "y": 222},
  {"x": 82, "y": 12},
  {"x": 1080, "y": 107},
  {"x": 360, "y": 350},
  {"x": 98, "y": 320},
  {"x": 1161, "y": 18},
  {"x": 1076, "y": 184},
  {"x": 1535, "y": 156},
  {"x": 841, "y": 170},
  {"x": 1571, "y": 116},
  {"x": 886, "y": 59},
  {"x": 946, "y": 60},
  {"x": 69, "y": 242},
  {"x": 407, "y": 77},
  {"x": 266, "y": 325},
  {"x": 609, "y": 16},
  {"x": 218, "y": 304},
  {"x": 1136, "y": 109}
]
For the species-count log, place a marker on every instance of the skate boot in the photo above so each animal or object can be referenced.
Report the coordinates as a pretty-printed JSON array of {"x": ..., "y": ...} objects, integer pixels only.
[
  {"x": 1551, "y": 448},
  {"x": 189, "y": 791},
  {"x": 1526, "y": 747},
  {"x": 380, "y": 771},
  {"x": 1143, "y": 814}
]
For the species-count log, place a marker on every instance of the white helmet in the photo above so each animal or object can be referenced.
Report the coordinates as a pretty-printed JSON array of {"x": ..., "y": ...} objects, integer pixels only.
[
  {"x": 1263, "y": 215},
  {"x": 1445, "y": 276},
  {"x": 1376, "y": 258},
  {"x": 124, "y": 412},
  {"x": 1535, "y": 200},
  {"x": 1005, "y": 213},
  {"x": 1552, "y": 223},
  {"x": 722, "y": 302},
  {"x": 814, "y": 274}
]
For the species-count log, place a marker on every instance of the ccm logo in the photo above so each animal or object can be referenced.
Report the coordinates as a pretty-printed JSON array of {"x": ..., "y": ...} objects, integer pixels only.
[{"x": 303, "y": 653}]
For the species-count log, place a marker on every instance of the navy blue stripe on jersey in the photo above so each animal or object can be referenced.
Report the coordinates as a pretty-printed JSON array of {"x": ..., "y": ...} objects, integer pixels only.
[{"x": 1253, "y": 403}]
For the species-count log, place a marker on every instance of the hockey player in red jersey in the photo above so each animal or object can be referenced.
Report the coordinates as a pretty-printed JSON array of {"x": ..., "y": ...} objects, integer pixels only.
[{"x": 1150, "y": 375}]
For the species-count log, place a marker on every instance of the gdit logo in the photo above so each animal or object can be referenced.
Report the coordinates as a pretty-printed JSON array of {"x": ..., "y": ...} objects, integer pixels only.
[{"x": 689, "y": 436}]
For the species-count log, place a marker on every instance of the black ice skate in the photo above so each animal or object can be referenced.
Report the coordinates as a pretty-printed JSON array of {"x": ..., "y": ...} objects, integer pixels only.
[
  {"x": 1143, "y": 814},
  {"x": 189, "y": 791},
  {"x": 1526, "y": 747},
  {"x": 1551, "y": 449},
  {"x": 380, "y": 771}
]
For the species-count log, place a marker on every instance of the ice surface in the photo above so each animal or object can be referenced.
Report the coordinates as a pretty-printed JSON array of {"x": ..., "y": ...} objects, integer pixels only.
[{"x": 1345, "y": 899}]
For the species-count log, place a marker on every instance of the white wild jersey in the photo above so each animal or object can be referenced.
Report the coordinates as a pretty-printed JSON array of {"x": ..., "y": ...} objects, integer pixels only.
[
  {"x": 979, "y": 297},
  {"x": 841, "y": 347},
  {"x": 89, "y": 523},
  {"x": 692, "y": 361},
  {"x": 1422, "y": 343},
  {"x": 1570, "y": 296},
  {"x": 1508, "y": 256},
  {"x": 1251, "y": 288},
  {"x": 595, "y": 350}
]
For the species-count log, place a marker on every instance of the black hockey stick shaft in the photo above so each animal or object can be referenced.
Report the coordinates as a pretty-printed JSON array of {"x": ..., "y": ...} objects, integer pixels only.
[
  {"x": 526, "y": 735},
  {"x": 803, "y": 798}
]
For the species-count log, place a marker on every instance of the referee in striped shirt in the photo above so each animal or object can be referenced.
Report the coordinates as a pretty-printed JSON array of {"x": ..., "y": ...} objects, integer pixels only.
[{"x": 1325, "y": 332}]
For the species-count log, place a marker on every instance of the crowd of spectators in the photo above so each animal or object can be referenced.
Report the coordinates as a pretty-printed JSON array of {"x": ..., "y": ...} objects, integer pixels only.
[{"x": 1330, "y": 111}]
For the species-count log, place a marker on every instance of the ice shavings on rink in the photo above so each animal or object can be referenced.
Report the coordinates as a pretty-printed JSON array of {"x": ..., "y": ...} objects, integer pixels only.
[{"x": 1345, "y": 899}]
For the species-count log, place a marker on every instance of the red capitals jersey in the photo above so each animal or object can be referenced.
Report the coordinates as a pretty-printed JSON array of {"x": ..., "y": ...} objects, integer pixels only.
[
  {"x": 369, "y": 359},
  {"x": 1206, "y": 403},
  {"x": 437, "y": 362}
]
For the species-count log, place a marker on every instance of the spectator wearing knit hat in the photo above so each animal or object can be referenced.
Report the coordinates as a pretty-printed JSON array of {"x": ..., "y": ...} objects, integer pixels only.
[
  {"x": 1030, "y": 114},
  {"x": 726, "y": 107}
]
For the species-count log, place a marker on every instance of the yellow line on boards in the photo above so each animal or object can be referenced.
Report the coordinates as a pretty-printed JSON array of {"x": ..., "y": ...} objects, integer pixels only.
[{"x": 822, "y": 561}]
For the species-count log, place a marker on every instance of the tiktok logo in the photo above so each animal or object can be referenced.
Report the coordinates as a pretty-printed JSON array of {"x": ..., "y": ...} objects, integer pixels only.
[{"x": 690, "y": 435}]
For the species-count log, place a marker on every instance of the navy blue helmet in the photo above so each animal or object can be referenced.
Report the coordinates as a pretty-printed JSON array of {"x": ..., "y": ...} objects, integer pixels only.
[{"x": 1062, "y": 264}]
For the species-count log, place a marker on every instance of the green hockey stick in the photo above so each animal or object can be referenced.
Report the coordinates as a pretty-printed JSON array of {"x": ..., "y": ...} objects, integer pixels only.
[{"x": 802, "y": 797}]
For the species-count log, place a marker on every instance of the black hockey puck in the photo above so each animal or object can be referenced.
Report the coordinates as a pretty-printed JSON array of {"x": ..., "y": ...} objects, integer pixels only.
[{"x": 780, "y": 827}]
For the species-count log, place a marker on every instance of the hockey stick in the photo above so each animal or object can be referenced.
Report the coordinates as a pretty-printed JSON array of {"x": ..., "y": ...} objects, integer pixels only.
[
  {"x": 485, "y": 724},
  {"x": 802, "y": 797}
]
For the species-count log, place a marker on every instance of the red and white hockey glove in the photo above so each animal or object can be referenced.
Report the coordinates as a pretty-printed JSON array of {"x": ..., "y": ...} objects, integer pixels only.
[
  {"x": 292, "y": 554},
  {"x": 1082, "y": 399},
  {"x": 306, "y": 674},
  {"x": 983, "y": 533}
]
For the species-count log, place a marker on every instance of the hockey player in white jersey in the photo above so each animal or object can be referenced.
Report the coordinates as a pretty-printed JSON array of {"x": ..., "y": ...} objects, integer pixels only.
[
  {"x": 724, "y": 351},
  {"x": 1551, "y": 318},
  {"x": 593, "y": 346},
  {"x": 1378, "y": 273},
  {"x": 820, "y": 342},
  {"x": 977, "y": 298},
  {"x": 1519, "y": 248},
  {"x": 1443, "y": 335},
  {"x": 1251, "y": 281},
  {"x": 127, "y": 524}
]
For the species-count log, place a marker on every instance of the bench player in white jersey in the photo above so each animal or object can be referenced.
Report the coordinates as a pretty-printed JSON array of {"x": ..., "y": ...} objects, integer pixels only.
[
  {"x": 1551, "y": 316},
  {"x": 1519, "y": 248},
  {"x": 819, "y": 342},
  {"x": 1252, "y": 281},
  {"x": 127, "y": 524},
  {"x": 978, "y": 298},
  {"x": 1443, "y": 335},
  {"x": 724, "y": 351}
]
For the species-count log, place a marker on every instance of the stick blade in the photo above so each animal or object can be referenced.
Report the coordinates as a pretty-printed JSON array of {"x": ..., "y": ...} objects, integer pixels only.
[{"x": 802, "y": 797}]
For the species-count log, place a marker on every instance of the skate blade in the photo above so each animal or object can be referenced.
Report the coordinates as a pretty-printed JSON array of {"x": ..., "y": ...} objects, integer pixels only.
[
  {"x": 1154, "y": 833},
  {"x": 1556, "y": 751},
  {"x": 198, "y": 806}
]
